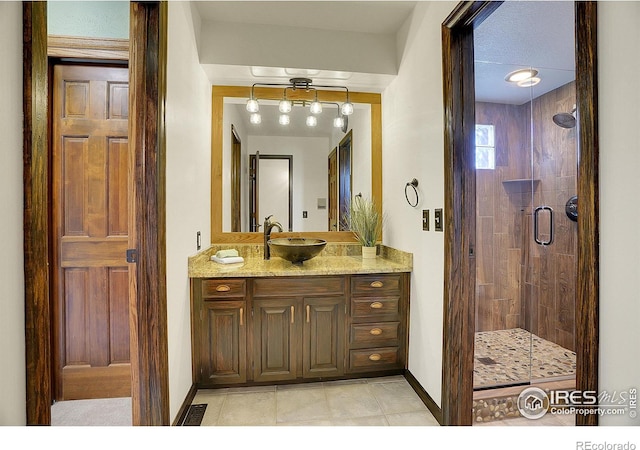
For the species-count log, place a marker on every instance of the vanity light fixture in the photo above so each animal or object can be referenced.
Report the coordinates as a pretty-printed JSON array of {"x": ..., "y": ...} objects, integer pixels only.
[
  {"x": 252, "y": 105},
  {"x": 255, "y": 118},
  {"x": 285, "y": 105},
  {"x": 312, "y": 121}
]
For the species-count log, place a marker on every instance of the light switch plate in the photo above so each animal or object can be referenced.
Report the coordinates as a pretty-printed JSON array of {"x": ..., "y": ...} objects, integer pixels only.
[
  {"x": 438, "y": 219},
  {"x": 425, "y": 220}
]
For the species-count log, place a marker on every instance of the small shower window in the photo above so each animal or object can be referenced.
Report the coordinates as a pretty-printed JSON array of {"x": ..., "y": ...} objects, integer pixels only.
[{"x": 485, "y": 147}]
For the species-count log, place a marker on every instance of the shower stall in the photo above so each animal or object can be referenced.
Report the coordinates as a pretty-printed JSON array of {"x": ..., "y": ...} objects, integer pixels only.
[{"x": 526, "y": 240}]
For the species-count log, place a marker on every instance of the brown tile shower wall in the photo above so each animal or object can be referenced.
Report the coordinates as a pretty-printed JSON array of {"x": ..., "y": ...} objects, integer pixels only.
[{"x": 519, "y": 283}]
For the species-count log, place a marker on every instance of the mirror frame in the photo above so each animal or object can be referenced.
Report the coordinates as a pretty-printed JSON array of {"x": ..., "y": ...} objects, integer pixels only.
[{"x": 219, "y": 93}]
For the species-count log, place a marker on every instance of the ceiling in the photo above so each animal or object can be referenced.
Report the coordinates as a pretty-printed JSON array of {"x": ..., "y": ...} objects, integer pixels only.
[{"x": 518, "y": 34}]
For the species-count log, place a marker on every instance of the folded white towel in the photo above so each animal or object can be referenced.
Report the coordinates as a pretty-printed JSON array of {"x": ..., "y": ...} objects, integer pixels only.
[
  {"x": 227, "y": 253},
  {"x": 228, "y": 259}
]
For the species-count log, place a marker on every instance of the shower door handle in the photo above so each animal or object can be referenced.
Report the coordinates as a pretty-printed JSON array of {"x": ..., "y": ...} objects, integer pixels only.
[{"x": 535, "y": 225}]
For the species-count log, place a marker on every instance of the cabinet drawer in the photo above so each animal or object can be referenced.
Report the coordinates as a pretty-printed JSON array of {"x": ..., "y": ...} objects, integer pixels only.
[
  {"x": 223, "y": 288},
  {"x": 373, "y": 358},
  {"x": 297, "y": 286},
  {"x": 374, "y": 334},
  {"x": 379, "y": 284},
  {"x": 375, "y": 307}
]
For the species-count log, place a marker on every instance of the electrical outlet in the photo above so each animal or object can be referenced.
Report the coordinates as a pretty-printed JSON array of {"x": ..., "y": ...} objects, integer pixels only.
[
  {"x": 425, "y": 220},
  {"x": 438, "y": 219},
  {"x": 305, "y": 214}
]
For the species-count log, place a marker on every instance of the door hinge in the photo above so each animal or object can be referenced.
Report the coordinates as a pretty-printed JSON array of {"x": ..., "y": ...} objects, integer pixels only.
[{"x": 132, "y": 255}]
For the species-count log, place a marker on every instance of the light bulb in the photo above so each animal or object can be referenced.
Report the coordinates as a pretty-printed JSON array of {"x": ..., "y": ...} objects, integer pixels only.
[
  {"x": 252, "y": 105},
  {"x": 285, "y": 106},
  {"x": 284, "y": 119},
  {"x": 347, "y": 109},
  {"x": 312, "y": 121},
  {"x": 316, "y": 107},
  {"x": 338, "y": 122},
  {"x": 255, "y": 118}
]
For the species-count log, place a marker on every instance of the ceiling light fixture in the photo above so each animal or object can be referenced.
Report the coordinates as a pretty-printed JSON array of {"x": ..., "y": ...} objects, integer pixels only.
[
  {"x": 520, "y": 75},
  {"x": 286, "y": 105},
  {"x": 528, "y": 82}
]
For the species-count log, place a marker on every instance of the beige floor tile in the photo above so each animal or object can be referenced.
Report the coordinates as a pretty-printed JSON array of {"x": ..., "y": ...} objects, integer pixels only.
[
  {"x": 214, "y": 406},
  {"x": 294, "y": 405},
  {"x": 371, "y": 421},
  {"x": 309, "y": 423},
  {"x": 253, "y": 408},
  {"x": 396, "y": 397},
  {"x": 351, "y": 401},
  {"x": 414, "y": 418}
]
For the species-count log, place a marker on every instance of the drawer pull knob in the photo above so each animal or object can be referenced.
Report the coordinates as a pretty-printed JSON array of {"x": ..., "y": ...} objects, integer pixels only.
[
  {"x": 376, "y": 331},
  {"x": 376, "y": 305},
  {"x": 376, "y": 284},
  {"x": 223, "y": 288},
  {"x": 375, "y": 357}
]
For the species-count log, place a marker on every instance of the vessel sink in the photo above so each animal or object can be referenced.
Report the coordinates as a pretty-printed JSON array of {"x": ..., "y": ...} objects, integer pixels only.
[{"x": 296, "y": 250}]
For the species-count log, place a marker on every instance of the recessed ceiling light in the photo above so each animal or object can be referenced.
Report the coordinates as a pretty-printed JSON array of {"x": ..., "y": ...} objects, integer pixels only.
[
  {"x": 520, "y": 75},
  {"x": 528, "y": 82}
]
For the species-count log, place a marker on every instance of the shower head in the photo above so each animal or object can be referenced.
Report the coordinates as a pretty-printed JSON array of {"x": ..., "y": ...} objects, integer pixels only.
[{"x": 566, "y": 120}]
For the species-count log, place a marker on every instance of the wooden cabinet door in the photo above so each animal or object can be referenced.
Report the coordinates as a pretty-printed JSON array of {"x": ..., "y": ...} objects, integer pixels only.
[
  {"x": 323, "y": 337},
  {"x": 223, "y": 343},
  {"x": 275, "y": 324},
  {"x": 90, "y": 225}
]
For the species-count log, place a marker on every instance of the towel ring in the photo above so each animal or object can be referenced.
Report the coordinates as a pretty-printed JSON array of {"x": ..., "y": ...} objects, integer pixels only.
[{"x": 414, "y": 184}]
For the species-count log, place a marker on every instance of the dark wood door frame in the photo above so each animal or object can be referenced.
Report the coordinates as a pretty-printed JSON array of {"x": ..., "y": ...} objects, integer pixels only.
[
  {"x": 459, "y": 279},
  {"x": 147, "y": 69}
]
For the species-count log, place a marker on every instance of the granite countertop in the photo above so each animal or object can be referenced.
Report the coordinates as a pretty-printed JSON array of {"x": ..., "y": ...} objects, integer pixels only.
[{"x": 335, "y": 259}]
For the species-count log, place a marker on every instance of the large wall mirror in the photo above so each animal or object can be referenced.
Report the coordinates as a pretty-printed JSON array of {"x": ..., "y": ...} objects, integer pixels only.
[{"x": 242, "y": 189}]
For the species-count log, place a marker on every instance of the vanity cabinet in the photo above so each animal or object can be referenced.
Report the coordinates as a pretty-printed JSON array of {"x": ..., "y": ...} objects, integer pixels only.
[
  {"x": 275, "y": 329},
  {"x": 220, "y": 337},
  {"x": 297, "y": 327},
  {"x": 377, "y": 325}
]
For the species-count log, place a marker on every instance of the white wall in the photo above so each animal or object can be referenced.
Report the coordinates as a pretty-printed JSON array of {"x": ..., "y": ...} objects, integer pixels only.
[
  {"x": 619, "y": 110},
  {"x": 188, "y": 141},
  {"x": 310, "y": 156},
  {"x": 413, "y": 143},
  {"x": 12, "y": 346},
  {"x": 297, "y": 47}
]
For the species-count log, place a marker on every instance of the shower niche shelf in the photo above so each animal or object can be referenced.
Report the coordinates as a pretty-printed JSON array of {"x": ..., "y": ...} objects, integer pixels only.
[{"x": 521, "y": 184}]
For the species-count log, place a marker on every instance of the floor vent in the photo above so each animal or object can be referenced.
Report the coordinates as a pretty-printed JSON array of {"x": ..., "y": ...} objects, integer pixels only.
[
  {"x": 195, "y": 414},
  {"x": 487, "y": 360}
]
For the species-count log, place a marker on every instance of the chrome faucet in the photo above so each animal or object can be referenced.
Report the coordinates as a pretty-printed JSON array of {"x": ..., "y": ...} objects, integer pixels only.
[{"x": 268, "y": 226}]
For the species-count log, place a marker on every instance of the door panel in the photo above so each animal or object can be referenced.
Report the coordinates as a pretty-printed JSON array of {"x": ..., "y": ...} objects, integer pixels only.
[
  {"x": 323, "y": 353},
  {"x": 275, "y": 343},
  {"x": 90, "y": 204}
]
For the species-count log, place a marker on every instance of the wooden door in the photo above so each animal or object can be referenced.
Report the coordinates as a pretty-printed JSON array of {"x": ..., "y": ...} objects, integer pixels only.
[
  {"x": 333, "y": 190},
  {"x": 344, "y": 179},
  {"x": 236, "y": 176},
  {"x": 224, "y": 342},
  {"x": 275, "y": 339},
  {"x": 323, "y": 331},
  {"x": 254, "y": 192},
  {"x": 90, "y": 221}
]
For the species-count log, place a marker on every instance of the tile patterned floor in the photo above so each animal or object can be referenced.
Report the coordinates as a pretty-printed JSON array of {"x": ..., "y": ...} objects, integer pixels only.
[
  {"x": 387, "y": 401},
  {"x": 515, "y": 355}
]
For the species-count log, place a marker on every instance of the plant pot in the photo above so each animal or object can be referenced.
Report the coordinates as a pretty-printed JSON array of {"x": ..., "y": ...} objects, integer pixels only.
[{"x": 369, "y": 252}]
